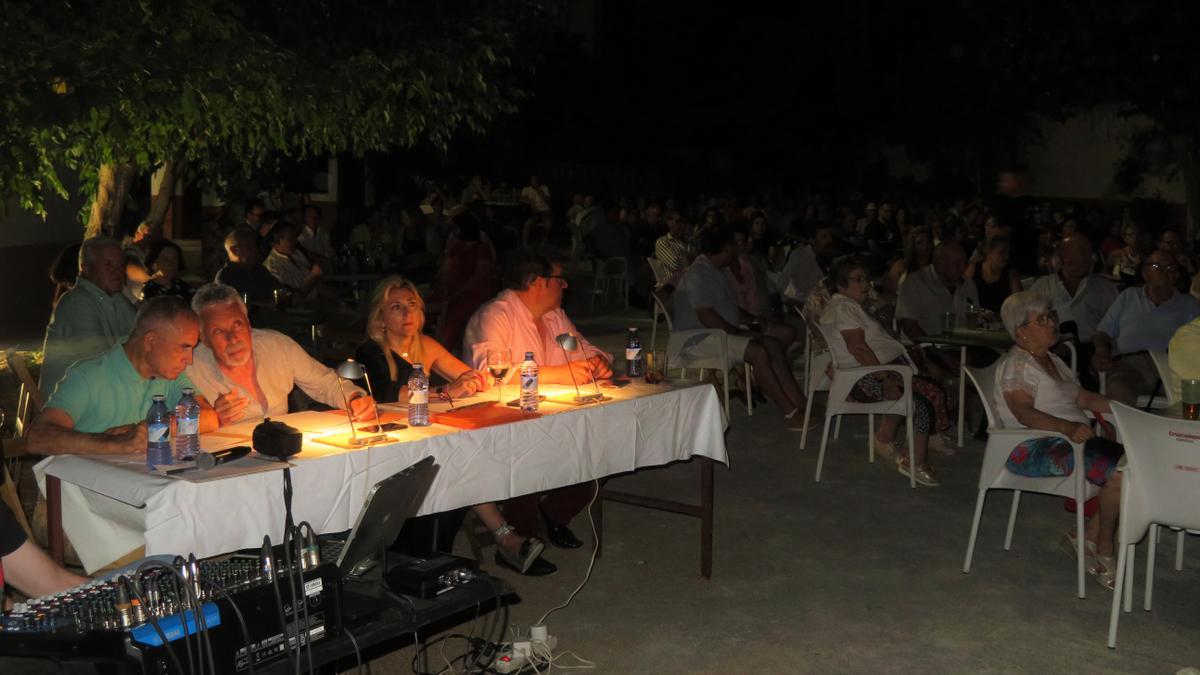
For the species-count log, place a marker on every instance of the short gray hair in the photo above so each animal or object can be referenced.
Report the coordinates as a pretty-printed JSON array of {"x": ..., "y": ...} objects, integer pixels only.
[
  {"x": 158, "y": 312},
  {"x": 90, "y": 248},
  {"x": 1018, "y": 307},
  {"x": 216, "y": 293}
]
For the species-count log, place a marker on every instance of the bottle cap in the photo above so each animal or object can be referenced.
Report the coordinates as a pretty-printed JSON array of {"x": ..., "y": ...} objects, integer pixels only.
[
  {"x": 632, "y": 329},
  {"x": 188, "y": 391},
  {"x": 528, "y": 356},
  {"x": 159, "y": 398}
]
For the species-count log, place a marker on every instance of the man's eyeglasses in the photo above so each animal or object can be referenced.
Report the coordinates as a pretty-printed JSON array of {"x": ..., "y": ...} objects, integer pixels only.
[
  {"x": 559, "y": 277},
  {"x": 1164, "y": 267},
  {"x": 1042, "y": 319}
]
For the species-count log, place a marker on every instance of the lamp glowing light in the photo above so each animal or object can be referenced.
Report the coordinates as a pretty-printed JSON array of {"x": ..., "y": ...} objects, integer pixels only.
[{"x": 353, "y": 370}]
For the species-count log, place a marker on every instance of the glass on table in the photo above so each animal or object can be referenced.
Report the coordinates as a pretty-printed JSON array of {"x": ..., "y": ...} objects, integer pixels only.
[
  {"x": 948, "y": 322},
  {"x": 499, "y": 362},
  {"x": 656, "y": 366},
  {"x": 1191, "y": 399}
]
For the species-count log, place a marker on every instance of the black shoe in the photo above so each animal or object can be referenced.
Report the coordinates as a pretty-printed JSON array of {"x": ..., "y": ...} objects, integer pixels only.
[
  {"x": 562, "y": 536},
  {"x": 540, "y": 567}
]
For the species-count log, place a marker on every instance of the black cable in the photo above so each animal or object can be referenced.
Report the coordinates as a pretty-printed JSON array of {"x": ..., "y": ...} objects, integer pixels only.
[
  {"x": 289, "y": 531},
  {"x": 278, "y": 598},
  {"x": 201, "y": 623},
  {"x": 357, "y": 651},
  {"x": 298, "y": 549},
  {"x": 153, "y": 621},
  {"x": 194, "y": 604},
  {"x": 241, "y": 621}
]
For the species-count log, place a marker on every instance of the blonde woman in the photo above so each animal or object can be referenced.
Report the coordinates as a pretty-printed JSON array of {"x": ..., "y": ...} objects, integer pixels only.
[{"x": 396, "y": 342}]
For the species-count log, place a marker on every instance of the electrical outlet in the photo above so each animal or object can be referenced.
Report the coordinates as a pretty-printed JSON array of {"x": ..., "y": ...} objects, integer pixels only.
[{"x": 512, "y": 657}]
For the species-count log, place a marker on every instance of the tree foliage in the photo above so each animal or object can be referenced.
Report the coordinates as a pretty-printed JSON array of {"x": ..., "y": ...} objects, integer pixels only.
[{"x": 86, "y": 84}]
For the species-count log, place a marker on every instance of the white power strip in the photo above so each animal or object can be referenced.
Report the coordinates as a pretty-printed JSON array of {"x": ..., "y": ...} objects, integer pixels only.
[{"x": 514, "y": 656}]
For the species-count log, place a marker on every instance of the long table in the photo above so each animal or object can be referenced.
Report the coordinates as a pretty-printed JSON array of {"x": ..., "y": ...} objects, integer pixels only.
[{"x": 110, "y": 506}]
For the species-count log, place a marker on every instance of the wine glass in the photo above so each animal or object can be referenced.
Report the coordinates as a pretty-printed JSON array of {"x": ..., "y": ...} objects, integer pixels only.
[{"x": 499, "y": 361}]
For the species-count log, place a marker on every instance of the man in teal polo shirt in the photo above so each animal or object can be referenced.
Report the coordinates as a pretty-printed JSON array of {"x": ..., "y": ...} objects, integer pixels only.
[{"x": 100, "y": 405}]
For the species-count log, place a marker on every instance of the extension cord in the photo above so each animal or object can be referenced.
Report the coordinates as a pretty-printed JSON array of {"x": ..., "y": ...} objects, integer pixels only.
[{"x": 513, "y": 655}]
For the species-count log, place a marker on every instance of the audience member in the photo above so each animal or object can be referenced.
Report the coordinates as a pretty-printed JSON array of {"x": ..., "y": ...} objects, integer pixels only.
[
  {"x": 1143, "y": 318},
  {"x": 164, "y": 260},
  {"x": 857, "y": 339},
  {"x": 64, "y": 271},
  {"x": 927, "y": 295},
  {"x": 994, "y": 278},
  {"x": 1034, "y": 389},
  {"x": 706, "y": 299},
  {"x": 243, "y": 271},
  {"x": 314, "y": 239},
  {"x": 1183, "y": 353},
  {"x": 527, "y": 317},
  {"x": 537, "y": 196},
  {"x": 467, "y": 280},
  {"x": 248, "y": 373},
  {"x": 674, "y": 250},
  {"x": 803, "y": 269},
  {"x": 99, "y": 407},
  {"x": 1125, "y": 262},
  {"x": 289, "y": 265},
  {"x": 92, "y": 316}
]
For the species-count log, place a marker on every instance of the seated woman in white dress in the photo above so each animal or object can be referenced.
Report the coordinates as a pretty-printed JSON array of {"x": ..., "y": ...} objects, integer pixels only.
[
  {"x": 1036, "y": 390},
  {"x": 858, "y": 339}
]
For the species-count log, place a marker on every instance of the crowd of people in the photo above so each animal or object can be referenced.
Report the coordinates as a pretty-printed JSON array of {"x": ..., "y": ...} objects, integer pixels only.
[{"x": 874, "y": 281}]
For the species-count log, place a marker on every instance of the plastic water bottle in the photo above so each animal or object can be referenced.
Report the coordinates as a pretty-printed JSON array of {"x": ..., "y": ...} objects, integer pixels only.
[
  {"x": 158, "y": 434},
  {"x": 418, "y": 397},
  {"x": 529, "y": 384},
  {"x": 187, "y": 427},
  {"x": 634, "y": 365}
]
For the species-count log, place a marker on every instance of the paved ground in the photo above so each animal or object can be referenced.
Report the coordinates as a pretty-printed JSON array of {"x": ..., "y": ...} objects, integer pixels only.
[{"x": 856, "y": 574}]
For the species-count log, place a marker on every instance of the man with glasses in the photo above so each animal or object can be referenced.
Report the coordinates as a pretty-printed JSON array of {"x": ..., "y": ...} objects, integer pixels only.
[
  {"x": 527, "y": 317},
  {"x": 1142, "y": 319}
]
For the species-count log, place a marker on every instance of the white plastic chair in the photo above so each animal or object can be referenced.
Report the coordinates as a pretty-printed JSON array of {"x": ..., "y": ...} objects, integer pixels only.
[
  {"x": 1161, "y": 486},
  {"x": 843, "y": 383},
  {"x": 994, "y": 475},
  {"x": 611, "y": 274},
  {"x": 659, "y": 270},
  {"x": 677, "y": 357}
]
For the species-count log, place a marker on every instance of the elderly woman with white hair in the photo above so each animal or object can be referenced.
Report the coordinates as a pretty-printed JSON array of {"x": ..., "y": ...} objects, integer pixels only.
[{"x": 1036, "y": 390}]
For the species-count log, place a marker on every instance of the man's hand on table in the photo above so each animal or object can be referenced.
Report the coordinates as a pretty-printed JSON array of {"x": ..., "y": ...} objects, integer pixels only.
[
  {"x": 229, "y": 406},
  {"x": 599, "y": 368},
  {"x": 362, "y": 408},
  {"x": 128, "y": 438}
]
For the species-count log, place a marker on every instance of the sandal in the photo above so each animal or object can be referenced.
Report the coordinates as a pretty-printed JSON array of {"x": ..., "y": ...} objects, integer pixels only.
[
  {"x": 1068, "y": 546},
  {"x": 1106, "y": 575},
  {"x": 924, "y": 474}
]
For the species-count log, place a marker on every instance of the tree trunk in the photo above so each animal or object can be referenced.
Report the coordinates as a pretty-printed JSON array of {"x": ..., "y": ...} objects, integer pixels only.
[
  {"x": 109, "y": 203},
  {"x": 171, "y": 171},
  {"x": 1186, "y": 155}
]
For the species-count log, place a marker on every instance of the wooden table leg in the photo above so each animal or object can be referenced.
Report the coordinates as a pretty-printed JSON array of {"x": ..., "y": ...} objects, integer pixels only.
[
  {"x": 54, "y": 531},
  {"x": 706, "y": 517}
]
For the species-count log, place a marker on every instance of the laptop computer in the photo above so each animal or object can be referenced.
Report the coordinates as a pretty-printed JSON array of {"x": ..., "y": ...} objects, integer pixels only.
[{"x": 390, "y": 502}]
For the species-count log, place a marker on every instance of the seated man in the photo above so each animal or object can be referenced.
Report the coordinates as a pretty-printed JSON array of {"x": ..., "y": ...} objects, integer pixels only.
[
  {"x": 248, "y": 373},
  {"x": 288, "y": 265},
  {"x": 706, "y": 299},
  {"x": 244, "y": 271},
  {"x": 526, "y": 318},
  {"x": 927, "y": 295},
  {"x": 25, "y": 566},
  {"x": 673, "y": 249},
  {"x": 1142, "y": 319},
  {"x": 1184, "y": 354},
  {"x": 1079, "y": 298},
  {"x": 92, "y": 316},
  {"x": 99, "y": 407}
]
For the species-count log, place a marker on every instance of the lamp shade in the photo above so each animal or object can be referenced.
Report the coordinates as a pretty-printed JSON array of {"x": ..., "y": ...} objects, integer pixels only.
[
  {"x": 568, "y": 342},
  {"x": 350, "y": 370}
]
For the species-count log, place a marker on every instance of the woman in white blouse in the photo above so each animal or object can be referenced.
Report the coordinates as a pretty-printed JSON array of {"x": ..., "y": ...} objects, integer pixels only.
[
  {"x": 857, "y": 339},
  {"x": 1036, "y": 390}
]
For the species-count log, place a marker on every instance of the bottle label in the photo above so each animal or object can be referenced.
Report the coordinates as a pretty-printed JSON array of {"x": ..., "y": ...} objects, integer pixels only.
[
  {"x": 632, "y": 353},
  {"x": 186, "y": 427},
  {"x": 418, "y": 396},
  {"x": 529, "y": 383},
  {"x": 158, "y": 433}
]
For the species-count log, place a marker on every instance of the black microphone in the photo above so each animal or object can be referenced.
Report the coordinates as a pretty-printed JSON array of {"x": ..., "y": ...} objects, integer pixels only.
[{"x": 208, "y": 460}]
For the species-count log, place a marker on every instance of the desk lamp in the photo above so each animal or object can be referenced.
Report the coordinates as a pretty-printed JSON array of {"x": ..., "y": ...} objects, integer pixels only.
[
  {"x": 353, "y": 370},
  {"x": 569, "y": 343}
]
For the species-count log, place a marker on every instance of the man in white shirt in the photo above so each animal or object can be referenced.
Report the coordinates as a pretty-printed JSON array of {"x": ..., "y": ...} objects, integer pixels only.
[
  {"x": 927, "y": 295},
  {"x": 1079, "y": 298},
  {"x": 313, "y": 238},
  {"x": 527, "y": 317},
  {"x": 248, "y": 373},
  {"x": 91, "y": 317}
]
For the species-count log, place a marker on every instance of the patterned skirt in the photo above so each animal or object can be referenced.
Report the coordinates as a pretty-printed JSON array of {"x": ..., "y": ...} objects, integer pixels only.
[{"x": 932, "y": 412}]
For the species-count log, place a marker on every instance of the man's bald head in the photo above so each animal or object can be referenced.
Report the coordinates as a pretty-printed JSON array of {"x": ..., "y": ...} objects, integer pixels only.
[
  {"x": 1075, "y": 257},
  {"x": 950, "y": 261}
]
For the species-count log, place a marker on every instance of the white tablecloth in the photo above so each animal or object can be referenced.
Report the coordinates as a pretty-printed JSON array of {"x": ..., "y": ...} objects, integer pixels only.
[{"x": 110, "y": 510}]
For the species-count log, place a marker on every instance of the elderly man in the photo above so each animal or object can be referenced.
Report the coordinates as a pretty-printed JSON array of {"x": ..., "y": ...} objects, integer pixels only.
[
  {"x": 243, "y": 271},
  {"x": 92, "y": 316},
  {"x": 248, "y": 373},
  {"x": 706, "y": 299},
  {"x": 100, "y": 405},
  {"x": 673, "y": 249},
  {"x": 526, "y": 318},
  {"x": 927, "y": 295},
  {"x": 1142, "y": 319},
  {"x": 1079, "y": 298}
]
